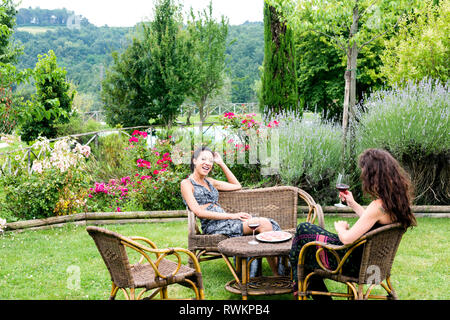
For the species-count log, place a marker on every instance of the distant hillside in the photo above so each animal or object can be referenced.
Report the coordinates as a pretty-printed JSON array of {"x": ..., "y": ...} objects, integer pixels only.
[{"x": 85, "y": 52}]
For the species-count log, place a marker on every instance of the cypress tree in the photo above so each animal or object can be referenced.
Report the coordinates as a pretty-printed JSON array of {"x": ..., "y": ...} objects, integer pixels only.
[{"x": 279, "y": 80}]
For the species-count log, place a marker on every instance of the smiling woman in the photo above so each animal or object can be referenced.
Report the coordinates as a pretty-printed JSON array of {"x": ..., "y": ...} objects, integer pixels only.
[{"x": 201, "y": 195}]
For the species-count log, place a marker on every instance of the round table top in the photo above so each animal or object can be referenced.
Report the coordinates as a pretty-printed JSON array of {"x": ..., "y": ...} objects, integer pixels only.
[{"x": 238, "y": 246}]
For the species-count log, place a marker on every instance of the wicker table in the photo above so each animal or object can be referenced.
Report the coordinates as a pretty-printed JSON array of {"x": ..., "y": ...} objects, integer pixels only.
[{"x": 264, "y": 285}]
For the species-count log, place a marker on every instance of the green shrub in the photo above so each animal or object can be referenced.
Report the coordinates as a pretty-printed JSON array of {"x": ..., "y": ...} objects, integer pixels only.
[
  {"x": 151, "y": 180},
  {"x": 310, "y": 155},
  {"x": 52, "y": 187},
  {"x": 412, "y": 123},
  {"x": 110, "y": 158}
]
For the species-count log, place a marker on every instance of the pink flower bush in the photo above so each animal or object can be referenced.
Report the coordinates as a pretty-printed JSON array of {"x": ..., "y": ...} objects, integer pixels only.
[
  {"x": 273, "y": 124},
  {"x": 241, "y": 126},
  {"x": 153, "y": 170},
  {"x": 229, "y": 115}
]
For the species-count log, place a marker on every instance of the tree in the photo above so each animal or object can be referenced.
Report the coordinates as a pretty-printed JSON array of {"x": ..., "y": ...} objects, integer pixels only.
[
  {"x": 126, "y": 89},
  {"x": 151, "y": 79},
  {"x": 171, "y": 64},
  {"x": 52, "y": 102},
  {"x": 209, "y": 37},
  {"x": 350, "y": 25},
  {"x": 421, "y": 48},
  {"x": 279, "y": 79},
  {"x": 245, "y": 53},
  {"x": 319, "y": 70},
  {"x": 8, "y": 51},
  {"x": 9, "y": 112}
]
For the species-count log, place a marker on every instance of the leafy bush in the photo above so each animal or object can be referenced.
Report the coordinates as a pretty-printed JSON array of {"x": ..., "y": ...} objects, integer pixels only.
[
  {"x": 152, "y": 183},
  {"x": 310, "y": 154},
  {"x": 421, "y": 48},
  {"x": 54, "y": 185},
  {"x": 245, "y": 135},
  {"x": 110, "y": 159},
  {"x": 413, "y": 124},
  {"x": 52, "y": 102}
]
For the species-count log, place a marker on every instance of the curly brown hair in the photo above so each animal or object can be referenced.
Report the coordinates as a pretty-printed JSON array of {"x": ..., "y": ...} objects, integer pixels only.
[{"x": 383, "y": 178}]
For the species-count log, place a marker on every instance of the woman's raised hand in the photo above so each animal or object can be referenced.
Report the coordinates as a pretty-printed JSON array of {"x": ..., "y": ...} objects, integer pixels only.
[{"x": 217, "y": 158}]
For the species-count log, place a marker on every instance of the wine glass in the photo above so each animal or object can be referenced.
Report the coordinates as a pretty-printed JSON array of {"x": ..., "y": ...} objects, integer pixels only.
[
  {"x": 253, "y": 224},
  {"x": 341, "y": 185}
]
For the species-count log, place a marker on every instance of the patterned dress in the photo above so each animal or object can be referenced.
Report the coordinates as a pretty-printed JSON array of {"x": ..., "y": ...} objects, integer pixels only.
[
  {"x": 228, "y": 227},
  {"x": 308, "y": 232}
]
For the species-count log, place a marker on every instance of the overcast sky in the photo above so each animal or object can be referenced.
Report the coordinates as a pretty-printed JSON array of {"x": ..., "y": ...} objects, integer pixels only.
[{"x": 120, "y": 13}]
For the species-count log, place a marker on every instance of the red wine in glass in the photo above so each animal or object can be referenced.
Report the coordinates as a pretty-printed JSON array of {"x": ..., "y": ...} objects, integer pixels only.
[
  {"x": 342, "y": 187},
  {"x": 253, "y": 225}
]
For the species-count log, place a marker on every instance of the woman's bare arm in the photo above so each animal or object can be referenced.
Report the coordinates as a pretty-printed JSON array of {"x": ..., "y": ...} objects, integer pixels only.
[
  {"x": 367, "y": 219},
  {"x": 232, "y": 184},
  {"x": 347, "y": 196}
]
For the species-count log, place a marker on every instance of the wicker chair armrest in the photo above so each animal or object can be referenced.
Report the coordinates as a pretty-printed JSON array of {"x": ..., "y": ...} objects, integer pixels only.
[
  {"x": 315, "y": 210},
  {"x": 161, "y": 254},
  {"x": 193, "y": 228},
  {"x": 148, "y": 241},
  {"x": 333, "y": 250}
]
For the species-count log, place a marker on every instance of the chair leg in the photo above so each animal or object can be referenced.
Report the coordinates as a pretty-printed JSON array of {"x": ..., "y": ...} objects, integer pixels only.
[
  {"x": 164, "y": 294},
  {"x": 360, "y": 294},
  {"x": 351, "y": 290},
  {"x": 390, "y": 290},
  {"x": 113, "y": 293},
  {"x": 132, "y": 292}
]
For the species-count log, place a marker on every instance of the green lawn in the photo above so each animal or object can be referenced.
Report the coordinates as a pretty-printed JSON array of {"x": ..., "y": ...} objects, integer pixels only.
[{"x": 41, "y": 264}]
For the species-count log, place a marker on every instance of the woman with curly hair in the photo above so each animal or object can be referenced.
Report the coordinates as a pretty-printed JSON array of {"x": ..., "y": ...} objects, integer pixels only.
[{"x": 390, "y": 187}]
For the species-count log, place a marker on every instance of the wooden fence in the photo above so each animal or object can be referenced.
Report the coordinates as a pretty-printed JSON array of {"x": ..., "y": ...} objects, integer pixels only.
[
  {"x": 105, "y": 218},
  {"x": 246, "y": 107}
]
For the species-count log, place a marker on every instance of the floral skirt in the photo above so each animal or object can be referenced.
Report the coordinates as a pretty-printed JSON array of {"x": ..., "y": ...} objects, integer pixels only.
[
  {"x": 308, "y": 232},
  {"x": 228, "y": 227}
]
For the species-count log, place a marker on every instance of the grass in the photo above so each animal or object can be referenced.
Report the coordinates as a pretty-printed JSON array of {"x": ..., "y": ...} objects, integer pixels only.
[{"x": 43, "y": 264}]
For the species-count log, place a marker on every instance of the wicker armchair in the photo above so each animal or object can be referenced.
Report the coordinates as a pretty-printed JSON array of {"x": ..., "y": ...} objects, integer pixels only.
[
  {"x": 379, "y": 249},
  {"x": 278, "y": 203},
  {"x": 152, "y": 275}
]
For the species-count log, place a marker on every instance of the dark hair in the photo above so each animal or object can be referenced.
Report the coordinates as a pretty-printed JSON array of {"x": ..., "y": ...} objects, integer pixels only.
[
  {"x": 383, "y": 177},
  {"x": 197, "y": 153}
]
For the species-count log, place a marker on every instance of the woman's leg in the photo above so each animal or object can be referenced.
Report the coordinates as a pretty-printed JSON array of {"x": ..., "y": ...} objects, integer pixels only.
[{"x": 308, "y": 232}]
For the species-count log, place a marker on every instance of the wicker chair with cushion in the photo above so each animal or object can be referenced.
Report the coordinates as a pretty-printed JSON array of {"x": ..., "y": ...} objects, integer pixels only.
[
  {"x": 278, "y": 203},
  {"x": 378, "y": 252},
  {"x": 154, "y": 272}
]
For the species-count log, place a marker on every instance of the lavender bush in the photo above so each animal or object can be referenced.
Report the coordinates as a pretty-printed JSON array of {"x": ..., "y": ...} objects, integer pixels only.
[
  {"x": 310, "y": 154},
  {"x": 412, "y": 122}
]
